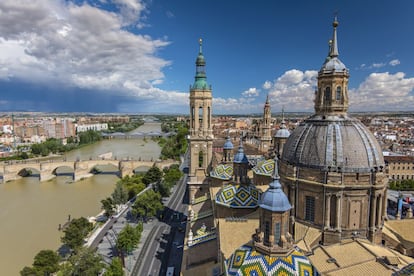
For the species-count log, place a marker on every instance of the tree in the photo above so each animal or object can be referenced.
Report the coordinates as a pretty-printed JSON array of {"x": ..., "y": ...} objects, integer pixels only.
[
  {"x": 76, "y": 232},
  {"x": 148, "y": 204},
  {"x": 133, "y": 184},
  {"x": 115, "y": 269},
  {"x": 28, "y": 271},
  {"x": 108, "y": 206},
  {"x": 120, "y": 194},
  {"x": 128, "y": 239},
  {"x": 154, "y": 174},
  {"x": 86, "y": 262},
  {"x": 46, "y": 262}
]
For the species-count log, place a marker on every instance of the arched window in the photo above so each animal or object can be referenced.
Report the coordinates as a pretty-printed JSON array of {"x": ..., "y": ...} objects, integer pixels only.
[
  {"x": 338, "y": 93},
  {"x": 277, "y": 233},
  {"x": 328, "y": 94},
  {"x": 200, "y": 117},
  {"x": 200, "y": 159}
]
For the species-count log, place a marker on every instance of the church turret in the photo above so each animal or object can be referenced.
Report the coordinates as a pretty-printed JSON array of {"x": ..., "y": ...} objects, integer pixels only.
[
  {"x": 280, "y": 137},
  {"x": 265, "y": 128},
  {"x": 273, "y": 236},
  {"x": 201, "y": 131},
  {"x": 332, "y": 95},
  {"x": 227, "y": 149},
  {"x": 240, "y": 164}
]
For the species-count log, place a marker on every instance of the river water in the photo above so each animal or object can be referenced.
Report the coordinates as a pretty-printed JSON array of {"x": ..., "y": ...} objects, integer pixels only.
[{"x": 30, "y": 211}]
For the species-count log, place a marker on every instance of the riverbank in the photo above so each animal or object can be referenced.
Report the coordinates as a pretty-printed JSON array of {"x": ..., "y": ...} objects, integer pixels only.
[{"x": 43, "y": 205}]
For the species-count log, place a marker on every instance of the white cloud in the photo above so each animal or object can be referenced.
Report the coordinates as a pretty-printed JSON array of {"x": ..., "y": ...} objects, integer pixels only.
[
  {"x": 82, "y": 46},
  {"x": 378, "y": 65},
  {"x": 394, "y": 62},
  {"x": 236, "y": 106},
  {"x": 267, "y": 85},
  {"x": 294, "y": 90},
  {"x": 251, "y": 92},
  {"x": 383, "y": 91}
]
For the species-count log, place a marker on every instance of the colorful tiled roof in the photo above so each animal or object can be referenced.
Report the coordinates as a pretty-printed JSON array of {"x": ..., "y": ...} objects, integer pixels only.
[
  {"x": 222, "y": 171},
  {"x": 247, "y": 261},
  {"x": 265, "y": 167},
  {"x": 238, "y": 196}
]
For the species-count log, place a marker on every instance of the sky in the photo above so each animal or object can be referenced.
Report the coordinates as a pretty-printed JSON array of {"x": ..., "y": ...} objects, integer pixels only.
[{"x": 138, "y": 56}]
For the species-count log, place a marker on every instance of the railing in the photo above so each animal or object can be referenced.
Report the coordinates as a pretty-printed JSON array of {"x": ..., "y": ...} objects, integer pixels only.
[
  {"x": 202, "y": 215},
  {"x": 208, "y": 236},
  {"x": 201, "y": 199}
]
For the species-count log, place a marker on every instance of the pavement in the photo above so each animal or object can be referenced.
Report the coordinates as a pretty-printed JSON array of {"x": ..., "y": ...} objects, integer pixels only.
[{"x": 161, "y": 244}]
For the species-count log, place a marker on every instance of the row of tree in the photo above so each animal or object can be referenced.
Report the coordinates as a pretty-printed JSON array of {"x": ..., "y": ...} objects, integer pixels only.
[
  {"x": 402, "y": 185},
  {"x": 176, "y": 145}
]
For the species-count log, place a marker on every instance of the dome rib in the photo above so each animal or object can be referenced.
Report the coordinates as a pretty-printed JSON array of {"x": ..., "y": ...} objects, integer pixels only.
[{"x": 343, "y": 144}]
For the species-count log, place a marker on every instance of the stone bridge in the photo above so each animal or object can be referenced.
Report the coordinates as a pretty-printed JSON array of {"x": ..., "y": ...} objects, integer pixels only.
[{"x": 79, "y": 169}]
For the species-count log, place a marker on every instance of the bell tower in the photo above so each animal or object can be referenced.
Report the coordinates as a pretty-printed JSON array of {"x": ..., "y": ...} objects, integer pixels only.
[
  {"x": 201, "y": 132},
  {"x": 332, "y": 94},
  {"x": 265, "y": 128}
]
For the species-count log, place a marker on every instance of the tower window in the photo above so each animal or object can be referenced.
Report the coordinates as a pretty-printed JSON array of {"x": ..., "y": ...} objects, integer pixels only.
[
  {"x": 200, "y": 117},
  {"x": 338, "y": 93},
  {"x": 200, "y": 159},
  {"x": 328, "y": 94},
  {"x": 277, "y": 232},
  {"x": 310, "y": 208},
  {"x": 266, "y": 232}
]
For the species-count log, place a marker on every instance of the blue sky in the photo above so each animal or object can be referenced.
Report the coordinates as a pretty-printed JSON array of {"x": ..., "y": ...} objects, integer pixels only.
[{"x": 134, "y": 56}]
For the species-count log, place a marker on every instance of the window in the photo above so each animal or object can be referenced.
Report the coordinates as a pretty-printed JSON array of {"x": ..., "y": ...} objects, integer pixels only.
[
  {"x": 338, "y": 93},
  {"x": 200, "y": 159},
  {"x": 266, "y": 232},
  {"x": 328, "y": 94},
  {"x": 310, "y": 208},
  {"x": 277, "y": 232}
]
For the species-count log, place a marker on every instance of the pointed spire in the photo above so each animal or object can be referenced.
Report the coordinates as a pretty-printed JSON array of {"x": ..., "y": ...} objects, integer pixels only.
[
  {"x": 200, "y": 41},
  {"x": 275, "y": 176},
  {"x": 200, "y": 77},
  {"x": 334, "y": 46}
]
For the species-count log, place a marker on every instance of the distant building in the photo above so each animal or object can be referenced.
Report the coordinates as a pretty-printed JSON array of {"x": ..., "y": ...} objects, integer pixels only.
[
  {"x": 95, "y": 127},
  {"x": 399, "y": 167}
]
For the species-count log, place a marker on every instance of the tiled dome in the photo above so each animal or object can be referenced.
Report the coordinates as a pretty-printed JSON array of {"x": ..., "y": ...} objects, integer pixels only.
[
  {"x": 342, "y": 144},
  {"x": 247, "y": 261}
]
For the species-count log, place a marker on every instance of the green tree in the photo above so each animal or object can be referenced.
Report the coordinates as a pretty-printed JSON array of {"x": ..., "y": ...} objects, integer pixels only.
[
  {"x": 133, "y": 184},
  {"x": 89, "y": 136},
  {"x": 46, "y": 262},
  {"x": 147, "y": 204},
  {"x": 120, "y": 194},
  {"x": 154, "y": 174},
  {"x": 86, "y": 262},
  {"x": 128, "y": 239},
  {"x": 108, "y": 206},
  {"x": 76, "y": 232},
  {"x": 28, "y": 271},
  {"x": 115, "y": 269}
]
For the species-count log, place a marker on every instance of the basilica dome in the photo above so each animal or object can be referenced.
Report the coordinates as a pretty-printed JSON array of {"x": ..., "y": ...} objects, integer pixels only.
[{"x": 333, "y": 144}]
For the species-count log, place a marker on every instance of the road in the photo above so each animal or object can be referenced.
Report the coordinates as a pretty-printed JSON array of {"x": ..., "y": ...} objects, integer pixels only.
[
  {"x": 163, "y": 246},
  {"x": 164, "y": 238}
]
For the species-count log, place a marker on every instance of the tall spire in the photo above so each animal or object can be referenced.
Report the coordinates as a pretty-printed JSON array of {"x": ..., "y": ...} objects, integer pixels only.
[
  {"x": 200, "y": 77},
  {"x": 334, "y": 46},
  {"x": 332, "y": 94},
  {"x": 200, "y": 42}
]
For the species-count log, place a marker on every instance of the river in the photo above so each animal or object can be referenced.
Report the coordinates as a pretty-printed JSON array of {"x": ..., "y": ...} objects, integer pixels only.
[{"x": 30, "y": 211}]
